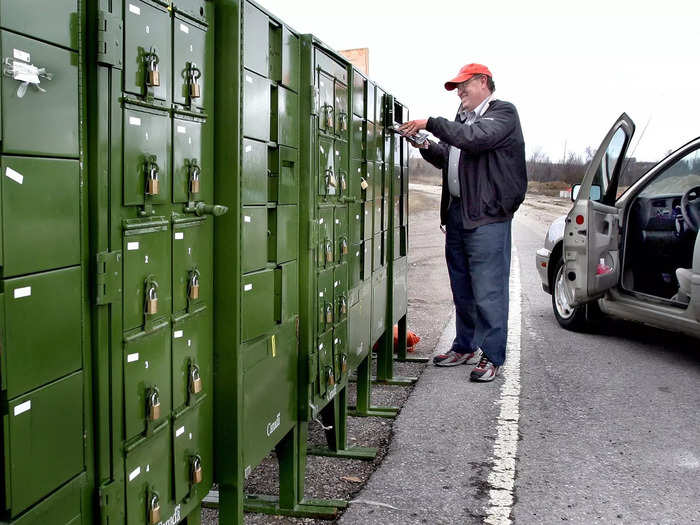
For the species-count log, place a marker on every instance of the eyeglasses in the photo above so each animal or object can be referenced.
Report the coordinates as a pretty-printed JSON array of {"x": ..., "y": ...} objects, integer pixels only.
[{"x": 464, "y": 84}]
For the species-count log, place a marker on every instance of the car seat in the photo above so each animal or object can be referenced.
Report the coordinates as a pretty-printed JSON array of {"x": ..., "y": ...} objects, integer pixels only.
[{"x": 685, "y": 275}]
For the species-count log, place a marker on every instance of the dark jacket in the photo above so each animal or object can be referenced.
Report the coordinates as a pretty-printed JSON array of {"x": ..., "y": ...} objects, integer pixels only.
[{"x": 492, "y": 174}]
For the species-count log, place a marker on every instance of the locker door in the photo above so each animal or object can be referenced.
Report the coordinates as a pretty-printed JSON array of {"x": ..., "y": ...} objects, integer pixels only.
[
  {"x": 147, "y": 46},
  {"x": 189, "y": 71}
]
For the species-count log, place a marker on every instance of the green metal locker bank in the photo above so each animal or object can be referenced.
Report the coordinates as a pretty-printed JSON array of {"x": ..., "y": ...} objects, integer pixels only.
[
  {"x": 151, "y": 178},
  {"x": 45, "y": 365},
  {"x": 150, "y": 348}
]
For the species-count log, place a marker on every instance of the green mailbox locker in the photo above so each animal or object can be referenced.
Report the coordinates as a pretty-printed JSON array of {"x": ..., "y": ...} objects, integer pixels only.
[
  {"x": 147, "y": 50},
  {"x": 151, "y": 153},
  {"x": 40, "y": 214},
  {"x": 258, "y": 261},
  {"x": 40, "y": 96},
  {"x": 43, "y": 433},
  {"x": 45, "y": 364}
]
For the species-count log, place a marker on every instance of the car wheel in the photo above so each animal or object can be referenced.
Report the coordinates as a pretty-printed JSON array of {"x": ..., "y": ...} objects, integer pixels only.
[{"x": 569, "y": 317}]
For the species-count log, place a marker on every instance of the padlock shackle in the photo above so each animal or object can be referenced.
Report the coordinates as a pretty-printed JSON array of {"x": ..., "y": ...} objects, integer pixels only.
[
  {"x": 195, "y": 73},
  {"x": 152, "y": 57}
]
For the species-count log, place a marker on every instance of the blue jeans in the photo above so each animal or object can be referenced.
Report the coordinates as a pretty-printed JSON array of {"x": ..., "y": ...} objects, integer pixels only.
[{"x": 478, "y": 261}]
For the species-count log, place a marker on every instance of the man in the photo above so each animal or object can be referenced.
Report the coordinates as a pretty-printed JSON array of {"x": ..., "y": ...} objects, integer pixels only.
[{"x": 482, "y": 157}]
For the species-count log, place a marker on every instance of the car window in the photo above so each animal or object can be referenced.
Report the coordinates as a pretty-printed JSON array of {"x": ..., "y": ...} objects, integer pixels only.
[
  {"x": 610, "y": 161},
  {"x": 678, "y": 178}
]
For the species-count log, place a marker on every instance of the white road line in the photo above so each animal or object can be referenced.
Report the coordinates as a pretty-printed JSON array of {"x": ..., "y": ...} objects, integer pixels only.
[{"x": 502, "y": 476}]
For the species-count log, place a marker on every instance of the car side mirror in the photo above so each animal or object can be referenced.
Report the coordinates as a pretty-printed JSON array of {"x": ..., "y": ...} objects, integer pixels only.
[
  {"x": 594, "y": 194},
  {"x": 574, "y": 191}
]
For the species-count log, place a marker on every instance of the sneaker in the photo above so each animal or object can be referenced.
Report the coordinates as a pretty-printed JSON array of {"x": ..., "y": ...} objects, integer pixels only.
[
  {"x": 453, "y": 358},
  {"x": 484, "y": 371}
]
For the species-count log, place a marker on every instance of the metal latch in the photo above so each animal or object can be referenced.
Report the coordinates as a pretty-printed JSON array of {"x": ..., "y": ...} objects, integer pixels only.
[
  {"x": 108, "y": 277},
  {"x": 111, "y": 502},
  {"x": 109, "y": 39}
]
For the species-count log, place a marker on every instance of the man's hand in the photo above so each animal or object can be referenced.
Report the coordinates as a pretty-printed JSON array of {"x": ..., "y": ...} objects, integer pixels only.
[
  {"x": 409, "y": 129},
  {"x": 412, "y": 127},
  {"x": 423, "y": 145}
]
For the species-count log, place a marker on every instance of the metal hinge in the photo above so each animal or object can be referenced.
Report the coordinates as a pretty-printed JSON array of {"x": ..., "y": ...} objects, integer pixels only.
[
  {"x": 108, "y": 277},
  {"x": 315, "y": 95},
  {"x": 111, "y": 501},
  {"x": 313, "y": 233},
  {"x": 109, "y": 39}
]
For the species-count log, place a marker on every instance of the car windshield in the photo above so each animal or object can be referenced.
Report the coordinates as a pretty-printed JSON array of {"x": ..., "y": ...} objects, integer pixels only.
[{"x": 678, "y": 178}]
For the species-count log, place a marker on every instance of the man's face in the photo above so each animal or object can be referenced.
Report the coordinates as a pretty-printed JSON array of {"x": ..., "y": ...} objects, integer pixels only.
[{"x": 472, "y": 92}]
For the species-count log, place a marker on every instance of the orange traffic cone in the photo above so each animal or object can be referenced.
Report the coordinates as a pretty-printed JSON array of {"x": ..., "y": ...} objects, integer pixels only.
[{"x": 411, "y": 339}]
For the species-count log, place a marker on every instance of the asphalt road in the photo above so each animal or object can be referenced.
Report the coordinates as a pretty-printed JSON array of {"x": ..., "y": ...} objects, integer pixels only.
[
  {"x": 609, "y": 421},
  {"x": 604, "y": 426}
]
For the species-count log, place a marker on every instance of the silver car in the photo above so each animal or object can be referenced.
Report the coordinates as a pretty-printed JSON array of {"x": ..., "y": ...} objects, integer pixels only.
[{"x": 635, "y": 257}]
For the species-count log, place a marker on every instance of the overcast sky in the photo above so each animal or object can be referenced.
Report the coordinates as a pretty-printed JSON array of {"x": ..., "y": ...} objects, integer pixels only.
[{"x": 570, "y": 67}]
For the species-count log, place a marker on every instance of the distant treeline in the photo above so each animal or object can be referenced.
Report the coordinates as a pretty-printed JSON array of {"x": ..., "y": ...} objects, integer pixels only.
[
  {"x": 573, "y": 172},
  {"x": 540, "y": 170}
]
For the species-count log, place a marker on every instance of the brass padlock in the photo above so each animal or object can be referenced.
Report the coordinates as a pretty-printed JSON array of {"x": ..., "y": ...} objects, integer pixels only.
[
  {"x": 363, "y": 183},
  {"x": 154, "y": 509},
  {"x": 194, "y": 177},
  {"x": 154, "y": 405},
  {"x": 329, "y": 252},
  {"x": 152, "y": 179},
  {"x": 329, "y": 314},
  {"x": 152, "y": 301},
  {"x": 343, "y": 246},
  {"x": 152, "y": 73},
  {"x": 343, "y": 122},
  {"x": 196, "y": 470},
  {"x": 343, "y": 306},
  {"x": 329, "y": 116},
  {"x": 343, "y": 183},
  {"x": 344, "y": 364},
  {"x": 194, "y": 286},
  {"x": 330, "y": 178},
  {"x": 195, "y": 380},
  {"x": 330, "y": 377},
  {"x": 194, "y": 75}
]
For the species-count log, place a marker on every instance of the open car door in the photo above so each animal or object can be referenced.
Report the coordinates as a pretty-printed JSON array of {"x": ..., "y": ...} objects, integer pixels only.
[{"x": 592, "y": 229}]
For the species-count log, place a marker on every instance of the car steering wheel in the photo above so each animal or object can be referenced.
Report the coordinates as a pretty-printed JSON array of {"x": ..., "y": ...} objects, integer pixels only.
[{"x": 690, "y": 208}]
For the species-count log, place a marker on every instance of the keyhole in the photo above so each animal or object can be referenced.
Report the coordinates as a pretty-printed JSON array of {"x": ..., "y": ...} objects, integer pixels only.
[
  {"x": 146, "y": 364},
  {"x": 146, "y": 261},
  {"x": 147, "y": 137},
  {"x": 189, "y": 342},
  {"x": 148, "y": 30}
]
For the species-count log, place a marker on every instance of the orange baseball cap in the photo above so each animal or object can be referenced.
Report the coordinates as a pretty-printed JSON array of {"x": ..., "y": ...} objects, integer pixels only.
[{"x": 466, "y": 73}]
